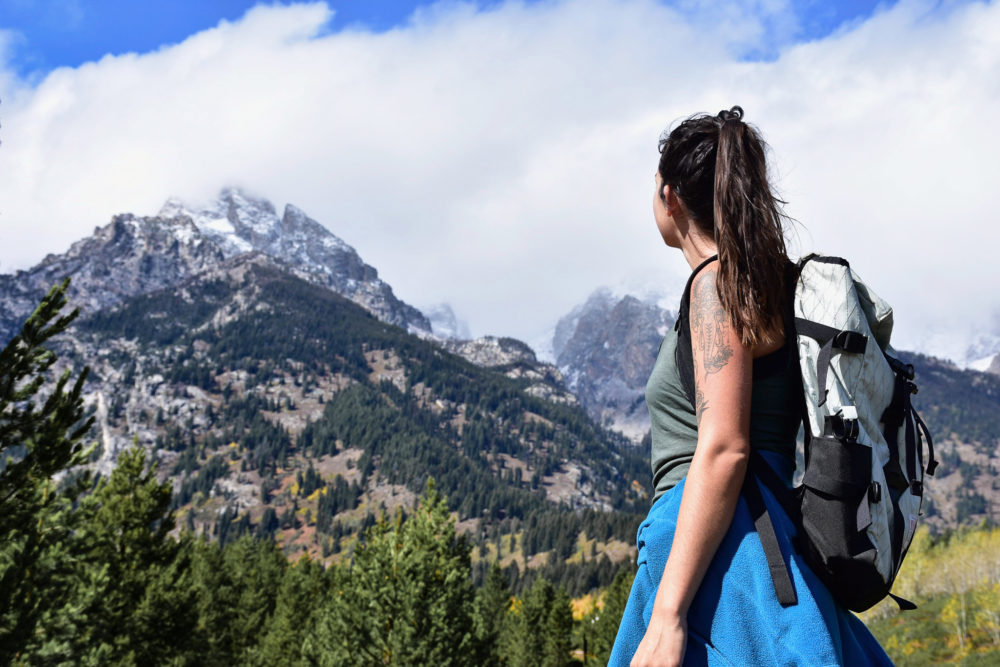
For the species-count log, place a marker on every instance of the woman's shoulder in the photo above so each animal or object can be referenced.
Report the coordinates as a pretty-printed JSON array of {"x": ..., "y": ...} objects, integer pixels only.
[{"x": 709, "y": 317}]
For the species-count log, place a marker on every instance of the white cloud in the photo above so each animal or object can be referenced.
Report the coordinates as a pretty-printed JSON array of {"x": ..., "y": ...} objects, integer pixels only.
[{"x": 502, "y": 160}]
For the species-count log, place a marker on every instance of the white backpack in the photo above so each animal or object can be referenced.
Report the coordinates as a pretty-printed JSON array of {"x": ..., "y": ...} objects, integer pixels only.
[
  {"x": 862, "y": 487},
  {"x": 858, "y": 503}
]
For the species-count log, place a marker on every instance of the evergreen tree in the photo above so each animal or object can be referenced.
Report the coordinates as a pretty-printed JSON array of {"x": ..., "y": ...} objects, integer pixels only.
[
  {"x": 256, "y": 569},
  {"x": 491, "y": 605},
  {"x": 537, "y": 632},
  {"x": 604, "y": 622},
  {"x": 407, "y": 599},
  {"x": 38, "y": 438},
  {"x": 216, "y": 595},
  {"x": 133, "y": 602},
  {"x": 558, "y": 631},
  {"x": 303, "y": 589}
]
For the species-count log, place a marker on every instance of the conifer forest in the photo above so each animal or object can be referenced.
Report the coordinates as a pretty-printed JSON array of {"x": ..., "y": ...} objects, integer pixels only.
[{"x": 128, "y": 567}]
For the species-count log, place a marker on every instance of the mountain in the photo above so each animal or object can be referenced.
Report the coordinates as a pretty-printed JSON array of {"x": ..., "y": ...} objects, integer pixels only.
[
  {"x": 605, "y": 348},
  {"x": 279, "y": 407},
  {"x": 135, "y": 255},
  {"x": 285, "y": 392},
  {"x": 239, "y": 223},
  {"x": 516, "y": 360},
  {"x": 445, "y": 323}
]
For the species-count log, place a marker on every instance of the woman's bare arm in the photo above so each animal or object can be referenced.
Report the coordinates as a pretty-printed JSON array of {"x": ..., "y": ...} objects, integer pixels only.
[{"x": 723, "y": 369}]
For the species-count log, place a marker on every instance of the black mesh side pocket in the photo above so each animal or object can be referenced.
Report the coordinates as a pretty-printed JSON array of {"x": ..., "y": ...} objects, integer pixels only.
[{"x": 835, "y": 483}]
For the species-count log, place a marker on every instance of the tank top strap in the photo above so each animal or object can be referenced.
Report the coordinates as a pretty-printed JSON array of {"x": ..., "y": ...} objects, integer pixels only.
[
  {"x": 683, "y": 353},
  {"x": 697, "y": 270}
]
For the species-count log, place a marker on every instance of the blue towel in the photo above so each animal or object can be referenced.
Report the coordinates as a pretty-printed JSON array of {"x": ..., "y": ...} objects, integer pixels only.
[{"x": 735, "y": 618}]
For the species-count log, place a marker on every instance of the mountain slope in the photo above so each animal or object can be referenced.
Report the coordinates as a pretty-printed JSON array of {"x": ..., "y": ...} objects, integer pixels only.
[{"x": 279, "y": 407}]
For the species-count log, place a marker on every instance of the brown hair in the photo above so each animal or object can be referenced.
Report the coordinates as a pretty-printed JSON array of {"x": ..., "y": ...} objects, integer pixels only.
[{"x": 717, "y": 167}]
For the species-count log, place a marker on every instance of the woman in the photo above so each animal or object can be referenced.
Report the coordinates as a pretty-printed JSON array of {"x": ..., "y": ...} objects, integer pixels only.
[{"x": 703, "y": 594}]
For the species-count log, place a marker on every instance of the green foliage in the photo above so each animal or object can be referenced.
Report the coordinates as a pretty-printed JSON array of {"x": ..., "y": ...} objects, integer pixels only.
[
  {"x": 237, "y": 590},
  {"x": 407, "y": 598},
  {"x": 38, "y": 438},
  {"x": 601, "y": 625},
  {"x": 490, "y": 608},
  {"x": 955, "y": 581},
  {"x": 538, "y": 629},
  {"x": 136, "y": 603},
  {"x": 303, "y": 590}
]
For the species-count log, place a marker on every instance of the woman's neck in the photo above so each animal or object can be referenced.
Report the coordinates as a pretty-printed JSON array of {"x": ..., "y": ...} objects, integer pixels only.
[{"x": 697, "y": 249}]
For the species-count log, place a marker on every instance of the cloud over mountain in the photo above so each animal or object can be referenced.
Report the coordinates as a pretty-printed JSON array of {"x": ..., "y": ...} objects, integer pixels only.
[{"x": 501, "y": 159}]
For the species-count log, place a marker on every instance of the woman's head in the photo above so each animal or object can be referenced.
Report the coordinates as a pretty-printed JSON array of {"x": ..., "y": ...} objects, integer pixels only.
[{"x": 716, "y": 166}]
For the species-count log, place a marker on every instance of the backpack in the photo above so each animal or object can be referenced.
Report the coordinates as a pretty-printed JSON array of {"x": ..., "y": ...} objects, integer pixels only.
[{"x": 859, "y": 499}]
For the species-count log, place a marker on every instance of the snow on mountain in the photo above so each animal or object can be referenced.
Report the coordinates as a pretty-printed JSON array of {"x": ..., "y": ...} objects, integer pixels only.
[
  {"x": 135, "y": 255},
  {"x": 445, "y": 323}
]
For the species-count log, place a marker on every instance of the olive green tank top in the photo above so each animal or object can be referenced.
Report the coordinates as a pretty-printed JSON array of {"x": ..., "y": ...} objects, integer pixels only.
[{"x": 774, "y": 412}]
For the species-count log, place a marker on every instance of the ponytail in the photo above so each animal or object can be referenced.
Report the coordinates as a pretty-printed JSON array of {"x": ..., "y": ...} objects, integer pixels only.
[{"x": 717, "y": 165}]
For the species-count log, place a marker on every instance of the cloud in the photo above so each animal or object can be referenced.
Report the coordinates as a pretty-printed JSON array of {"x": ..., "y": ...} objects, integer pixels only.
[{"x": 502, "y": 159}]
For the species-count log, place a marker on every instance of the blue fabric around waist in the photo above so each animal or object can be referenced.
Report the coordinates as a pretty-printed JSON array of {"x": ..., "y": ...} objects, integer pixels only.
[{"x": 735, "y": 618}]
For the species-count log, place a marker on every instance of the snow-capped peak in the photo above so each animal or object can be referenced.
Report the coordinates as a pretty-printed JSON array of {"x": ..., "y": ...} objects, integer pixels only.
[{"x": 236, "y": 222}]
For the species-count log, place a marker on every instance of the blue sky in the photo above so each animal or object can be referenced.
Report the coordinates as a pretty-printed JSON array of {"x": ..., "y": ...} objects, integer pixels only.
[
  {"x": 55, "y": 33},
  {"x": 499, "y": 156}
]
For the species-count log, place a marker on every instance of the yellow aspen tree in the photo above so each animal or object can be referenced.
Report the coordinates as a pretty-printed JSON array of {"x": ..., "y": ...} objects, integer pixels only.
[
  {"x": 954, "y": 615},
  {"x": 988, "y": 611}
]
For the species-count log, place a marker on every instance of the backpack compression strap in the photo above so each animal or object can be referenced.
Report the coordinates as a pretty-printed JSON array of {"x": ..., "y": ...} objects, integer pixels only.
[
  {"x": 759, "y": 472},
  {"x": 830, "y": 339}
]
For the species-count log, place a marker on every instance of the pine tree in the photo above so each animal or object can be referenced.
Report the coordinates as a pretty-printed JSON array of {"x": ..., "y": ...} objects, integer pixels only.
[
  {"x": 38, "y": 438},
  {"x": 407, "y": 599},
  {"x": 303, "y": 589},
  {"x": 216, "y": 595},
  {"x": 558, "y": 631},
  {"x": 604, "y": 622},
  {"x": 537, "y": 631},
  {"x": 491, "y": 605},
  {"x": 134, "y": 599},
  {"x": 256, "y": 569}
]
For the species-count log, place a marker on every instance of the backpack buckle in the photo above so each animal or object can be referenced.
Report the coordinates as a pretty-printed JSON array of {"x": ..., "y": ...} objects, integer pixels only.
[
  {"x": 917, "y": 487},
  {"x": 843, "y": 429},
  {"x": 874, "y": 492}
]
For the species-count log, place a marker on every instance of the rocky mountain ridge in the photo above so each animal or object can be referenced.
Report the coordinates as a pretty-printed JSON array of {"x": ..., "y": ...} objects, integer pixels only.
[
  {"x": 280, "y": 407},
  {"x": 605, "y": 348},
  {"x": 134, "y": 255}
]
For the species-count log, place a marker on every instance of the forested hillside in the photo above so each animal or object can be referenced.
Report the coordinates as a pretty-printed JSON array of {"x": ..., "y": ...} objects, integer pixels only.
[
  {"x": 94, "y": 572},
  {"x": 962, "y": 410},
  {"x": 282, "y": 410}
]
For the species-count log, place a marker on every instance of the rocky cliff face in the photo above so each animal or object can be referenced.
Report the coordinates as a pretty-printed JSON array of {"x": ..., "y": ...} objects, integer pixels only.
[
  {"x": 129, "y": 256},
  {"x": 605, "y": 349},
  {"x": 240, "y": 223},
  {"x": 136, "y": 255},
  {"x": 516, "y": 360}
]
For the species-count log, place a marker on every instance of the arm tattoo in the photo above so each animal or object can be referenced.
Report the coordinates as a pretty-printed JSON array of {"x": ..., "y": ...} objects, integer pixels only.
[
  {"x": 709, "y": 320},
  {"x": 701, "y": 404}
]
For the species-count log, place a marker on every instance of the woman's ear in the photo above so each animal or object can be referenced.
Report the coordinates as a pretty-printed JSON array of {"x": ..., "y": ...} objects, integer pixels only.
[{"x": 670, "y": 201}]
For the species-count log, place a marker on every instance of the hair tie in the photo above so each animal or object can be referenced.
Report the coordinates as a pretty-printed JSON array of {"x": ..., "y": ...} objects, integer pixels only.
[{"x": 736, "y": 113}]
